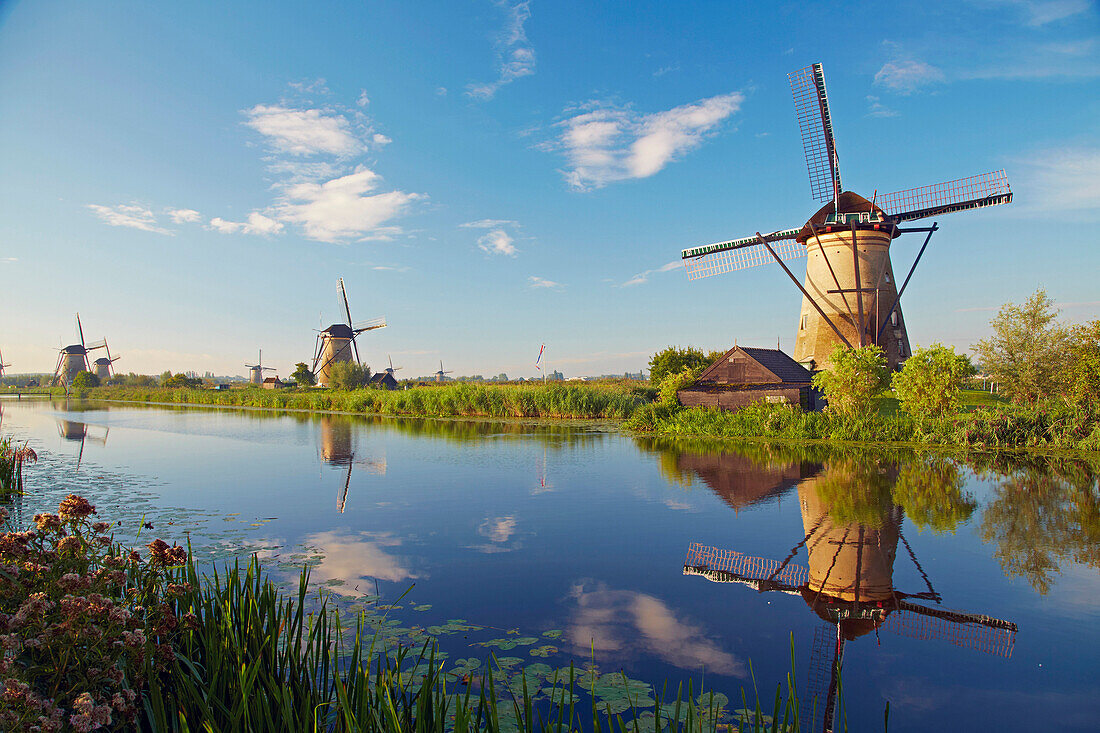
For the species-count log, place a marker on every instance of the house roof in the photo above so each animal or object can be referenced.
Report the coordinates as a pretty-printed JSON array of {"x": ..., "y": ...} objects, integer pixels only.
[
  {"x": 782, "y": 368},
  {"x": 779, "y": 364},
  {"x": 271, "y": 380}
]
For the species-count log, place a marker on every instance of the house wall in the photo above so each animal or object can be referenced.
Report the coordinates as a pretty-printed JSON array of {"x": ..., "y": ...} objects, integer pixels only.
[
  {"x": 740, "y": 369},
  {"x": 733, "y": 400}
]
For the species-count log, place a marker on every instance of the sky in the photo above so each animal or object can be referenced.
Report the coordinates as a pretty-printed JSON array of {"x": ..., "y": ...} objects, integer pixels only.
[{"x": 492, "y": 176}]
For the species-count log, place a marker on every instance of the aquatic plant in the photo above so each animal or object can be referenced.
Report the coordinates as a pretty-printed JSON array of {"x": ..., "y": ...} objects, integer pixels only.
[{"x": 11, "y": 466}]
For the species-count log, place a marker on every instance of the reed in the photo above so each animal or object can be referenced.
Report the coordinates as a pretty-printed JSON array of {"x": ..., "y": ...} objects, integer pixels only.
[{"x": 11, "y": 466}]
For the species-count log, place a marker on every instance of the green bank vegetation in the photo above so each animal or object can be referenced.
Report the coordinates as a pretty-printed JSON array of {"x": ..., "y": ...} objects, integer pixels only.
[{"x": 97, "y": 637}]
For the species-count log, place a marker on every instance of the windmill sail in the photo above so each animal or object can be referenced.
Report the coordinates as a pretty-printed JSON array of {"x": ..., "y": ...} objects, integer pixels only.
[
  {"x": 975, "y": 192},
  {"x": 739, "y": 254},
  {"x": 811, "y": 106}
]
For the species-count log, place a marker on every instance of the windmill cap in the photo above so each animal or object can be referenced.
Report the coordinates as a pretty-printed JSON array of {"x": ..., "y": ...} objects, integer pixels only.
[
  {"x": 75, "y": 349},
  {"x": 850, "y": 203},
  {"x": 339, "y": 330},
  {"x": 102, "y": 361},
  {"x": 850, "y": 628}
]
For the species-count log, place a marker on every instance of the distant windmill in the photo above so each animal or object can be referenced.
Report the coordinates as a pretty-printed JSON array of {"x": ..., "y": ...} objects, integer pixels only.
[
  {"x": 103, "y": 368},
  {"x": 3, "y": 366},
  {"x": 850, "y": 295},
  {"x": 337, "y": 342},
  {"x": 73, "y": 359},
  {"x": 439, "y": 376},
  {"x": 391, "y": 369},
  {"x": 256, "y": 371}
]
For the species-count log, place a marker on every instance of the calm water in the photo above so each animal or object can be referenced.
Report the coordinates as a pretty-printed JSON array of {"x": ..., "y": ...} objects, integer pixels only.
[{"x": 582, "y": 530}]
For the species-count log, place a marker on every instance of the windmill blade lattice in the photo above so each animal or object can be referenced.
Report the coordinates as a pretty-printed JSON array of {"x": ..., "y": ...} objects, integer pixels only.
[
  {"x": 964, "y": 194},
  {"x": 811, "y": 106},
  {"x": 744, "y": 256}
]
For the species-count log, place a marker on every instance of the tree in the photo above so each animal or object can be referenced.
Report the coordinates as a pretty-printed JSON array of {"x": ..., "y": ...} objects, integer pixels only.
[
  {"x": 674, "y": 360},
  {"x": 1083, "y": 377},
  {"x": 855, "y": 379},
  {"x": 673, "y": 383},
  {"x": 929, "y": 383},
  {"x": 85, "y": 380},
  {"x": 303, "y": 376},
  {"x": 179, "y": 381},
  {"x": 347, "y": 375},
  {"x": 1026, "y": 353}
]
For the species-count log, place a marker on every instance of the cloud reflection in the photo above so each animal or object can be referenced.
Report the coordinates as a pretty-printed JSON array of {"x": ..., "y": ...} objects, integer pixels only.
[
  {"x": 358, "y": 559},
  {"x": 623, "y": 622},
  {"x": 498, "y": 530}
]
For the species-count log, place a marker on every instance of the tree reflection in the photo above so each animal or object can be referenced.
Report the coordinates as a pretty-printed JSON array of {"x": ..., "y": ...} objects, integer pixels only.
[{"x": 1043, "y": 515}]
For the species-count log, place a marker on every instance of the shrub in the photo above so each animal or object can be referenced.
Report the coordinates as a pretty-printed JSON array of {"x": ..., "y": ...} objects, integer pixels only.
[
  {"x": 857, "y": 376},
  {"x": 347, "y": 375},
  {"x": 303, "y": 376},
  {"x": 674, "y": 382},
  {"x": 929, "y": 383},
  {"x": 84, "y": 380},
  {"x": 674, "y": 360}
]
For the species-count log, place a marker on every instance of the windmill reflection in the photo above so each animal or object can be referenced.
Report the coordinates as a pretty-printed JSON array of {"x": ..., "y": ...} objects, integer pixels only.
[
  {"x": 338, "y": 449},
  {"x": 78, "y": 431},
  {"x": 852, "y": 528}
]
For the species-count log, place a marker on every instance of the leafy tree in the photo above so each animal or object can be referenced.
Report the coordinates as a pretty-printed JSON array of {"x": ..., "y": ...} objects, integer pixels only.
[
  {"x": 931, "y": 490},
  {"x": 673, "y": 383},
  {"x": 85, "y": 380},
  {"x": 347, "y": 375},
  {"x": 1026, "y": 353},
  {"x": 164, "y": 377},
  {"x": 181, "y": 380},
  {"x": 674, "y": 360},
  {"x": 855, "y": 379},
  {"x": 303, "y": 376},
  {"x": 929, "y": 383},
  {"x": 1083, "y": 374}
]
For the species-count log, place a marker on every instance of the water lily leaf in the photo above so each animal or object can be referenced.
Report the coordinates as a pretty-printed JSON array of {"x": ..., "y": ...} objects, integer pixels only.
[
  {"x": 552, "y": 633},
  {"x": 508, "y": 661},
  {"x": 526, "y": 640},
  {"x": 538, "y": 669},
  {"x": 710, "y": 700},
  {"x": 423, "y": 607},
  {"x": 543, "y": 651}
]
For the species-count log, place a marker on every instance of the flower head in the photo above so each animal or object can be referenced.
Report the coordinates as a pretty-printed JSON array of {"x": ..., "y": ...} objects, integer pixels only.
[{"x": 75, "y": 507}]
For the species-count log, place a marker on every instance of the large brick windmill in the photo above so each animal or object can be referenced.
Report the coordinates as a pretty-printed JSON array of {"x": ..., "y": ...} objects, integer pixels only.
[
  {"x": 337, "y": 342},
  {"x": 850, "y": 295}
]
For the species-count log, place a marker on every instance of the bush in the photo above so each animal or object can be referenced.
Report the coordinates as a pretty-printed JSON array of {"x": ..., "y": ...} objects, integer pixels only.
[
  {"x": 303, "y": 376},
  {"x": 180, "y": 381},
  {"x": 857, "y": 376},
  {"x": 674, "y": 360},
  {"x": 84, "y": 380},
  {"x": 929, "y": 383},
  {"x": 674, "y": 382},
  {"x": 347, "y": 375}
]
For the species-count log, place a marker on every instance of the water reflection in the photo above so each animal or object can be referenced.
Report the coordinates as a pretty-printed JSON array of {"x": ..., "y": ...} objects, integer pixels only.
[
  {"x": 337, "y": 448},
  {"x": 852, "y": 509},
  {"x": 78, "y": 431}
]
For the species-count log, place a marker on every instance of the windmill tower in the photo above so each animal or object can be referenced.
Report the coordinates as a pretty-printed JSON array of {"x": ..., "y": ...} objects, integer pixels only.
[
  {"x": 338, "y": 449},
  {"x": 256, "y": 371},
  {"x": 440, "y": 376},
  {"x": 73, "y": 359},
  {"x": 848, "y": 583},
  {"x": 392, "y": 370},
  {"x": 849, "y": 293},
  {"x": 103, "y": 368},
  {"x": 337, "y": 342}
]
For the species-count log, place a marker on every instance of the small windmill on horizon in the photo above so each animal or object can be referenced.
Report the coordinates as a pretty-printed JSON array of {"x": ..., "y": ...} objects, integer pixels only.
[
  {"x": 256, "y": 371},
  {"x": 3, "y": 366},
  {"x": 392, "y": 370},
  {"x": 440, "y": 376},
  {"x": 337, "y": 342},
  {"x": 849, "y": 294},
  {"x": 73, "y": 359}
]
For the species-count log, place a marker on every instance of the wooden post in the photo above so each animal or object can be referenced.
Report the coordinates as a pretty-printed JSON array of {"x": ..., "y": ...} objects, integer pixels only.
[{"x": 859, "y": 285}]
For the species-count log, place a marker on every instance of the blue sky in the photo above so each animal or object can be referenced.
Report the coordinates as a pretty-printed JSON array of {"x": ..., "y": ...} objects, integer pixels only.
[{"x": 193, "y": 177}]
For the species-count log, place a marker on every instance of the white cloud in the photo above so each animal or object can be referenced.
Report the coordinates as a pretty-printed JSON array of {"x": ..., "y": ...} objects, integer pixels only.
[
  {"x": 184, "y": 216},
  {"x": 303, "y": 131},
  {"x": 343, "y": 208},
  {"x": 1042, "y": 12},
  {"x": 257, "y": 224},
  {"x": 363, "y": 100},
  {"x": 379, "y": 139},
  {"x": 1063, "y": 179},
  {"x": 643, "y": 277},
  {"x": 905, "y": 76},
  {"x": 128, "y": 215},
  {"x": 515, "y": 56},
  {"x": 610, "y": 144},
  {"x": 875, "y": 108},
  {"x": 441, "y": 91},
  {"x": 358, "y": 560},
  {"x": 9, "y": 259},
  {"x": 497, "y": 241},
  {"x": 540, "y": 282},
  {"x": 489, "y": 224},
  {"x": 498, "y": 529}
]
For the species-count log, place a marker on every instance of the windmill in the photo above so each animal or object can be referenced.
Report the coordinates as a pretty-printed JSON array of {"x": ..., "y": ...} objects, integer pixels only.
[
  {"x": 256, "y": 371},
  {"x": 73, "y": 359},
  {"x": 391, "y": 369},
  {"x": 440, "y": 376},
  {"x": 849, "y": 293},
  {"x": 103, "y": 368},
  {"x": 3, "y": 366},
  {"x": 338, "y": 449},
  {"x": 78, "y": 431},
  {"x": 848, "y": 583},
  {"x": 337, "y": 342}
]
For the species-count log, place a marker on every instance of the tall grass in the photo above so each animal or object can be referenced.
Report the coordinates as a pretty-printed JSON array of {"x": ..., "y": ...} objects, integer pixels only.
[
  {"x": 11, "y": 466},
  {"x": 258, "y": 661},
  {"x": 598, "y": 402}
]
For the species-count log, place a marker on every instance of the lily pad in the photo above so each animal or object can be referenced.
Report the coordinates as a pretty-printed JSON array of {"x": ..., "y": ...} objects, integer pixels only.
[
  {"x": 543, "y": 651},
  {"x": 423, "y": 607},
  {"x": 552, "y": 633}
]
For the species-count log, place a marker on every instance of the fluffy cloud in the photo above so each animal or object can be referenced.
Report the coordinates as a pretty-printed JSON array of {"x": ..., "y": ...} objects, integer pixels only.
[
  {"x": 303, "y": 131},
  {"x": 184, "y": 216},
  {"x": 343, "y": 208},
  {"x": 128, "y": 215},
  {"x": 610, "y": 144},
  {"x": 498, "y": 242},
  {"x": 643, "y": 277},
  {"x": 515, "y": 56},
  {"x": 540, "y": 282},
  {"x": 257, "y": 223},
  {"x": 875, "y": 108},
  {"x": 905, "y": 76}
]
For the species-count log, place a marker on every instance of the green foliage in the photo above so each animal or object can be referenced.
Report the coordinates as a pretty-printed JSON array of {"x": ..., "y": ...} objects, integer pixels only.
[
  {"x": 1026, "y": 355},
  {"x": 11, "y": 466},
  {"x": 674, "y": 360},
  {"x": 931, "y": 492},
  {"x": 1083, "y": 345},
  {"x": 674, "y": 382},
  {"x": 84, "y": 380},
  {"x": 929, "y": 383},
  {"x": 347, "y": 375},
  {"x": 856, "y": 377},
  {"x": 179, "y": 381},
  {"x": 303, "y": 376}
]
